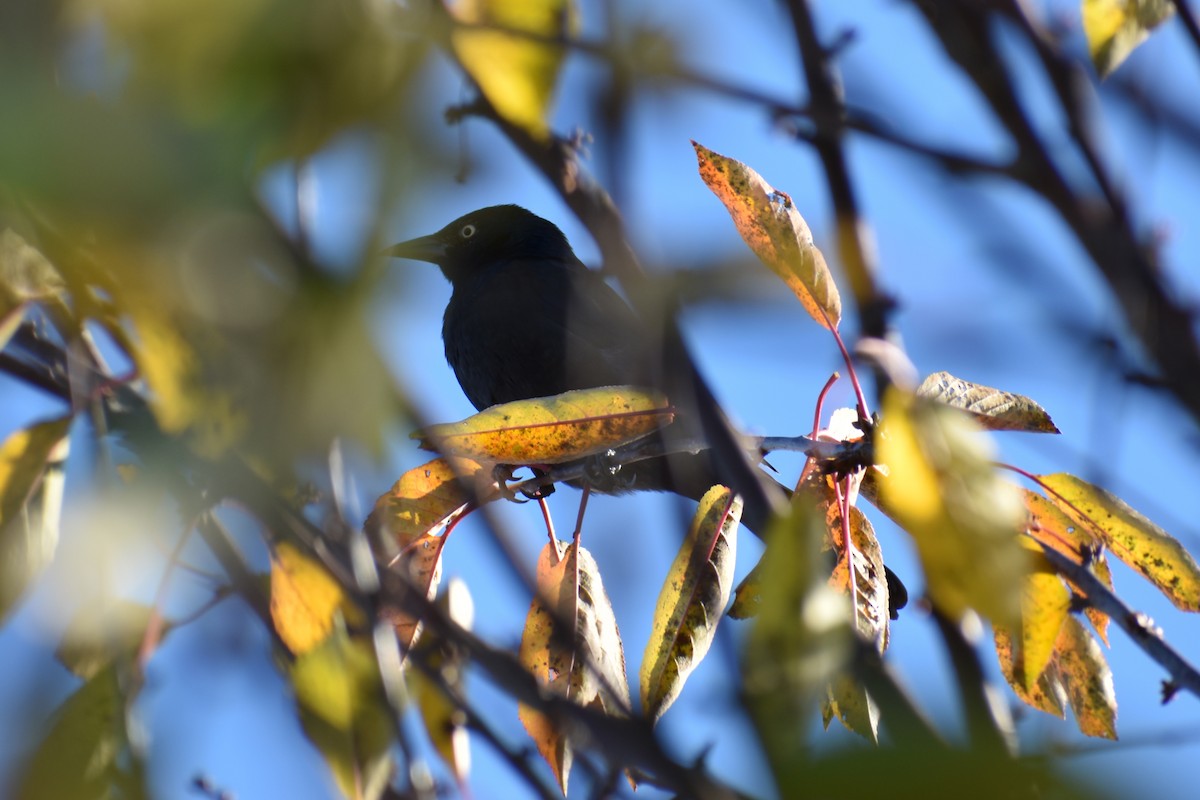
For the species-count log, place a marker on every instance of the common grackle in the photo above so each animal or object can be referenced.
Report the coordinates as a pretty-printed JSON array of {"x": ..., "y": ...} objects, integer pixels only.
[{"x": 527, "y": 319}]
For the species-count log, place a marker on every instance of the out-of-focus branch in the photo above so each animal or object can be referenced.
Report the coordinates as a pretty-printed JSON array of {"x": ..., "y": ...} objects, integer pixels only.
[
  {"x": 1189, "y": 23},
  {"x": 1101, "y": 224}
]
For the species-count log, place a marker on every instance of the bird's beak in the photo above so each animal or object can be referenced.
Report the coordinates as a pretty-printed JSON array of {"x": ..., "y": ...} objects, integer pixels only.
[{"x": 425, "y": 248}]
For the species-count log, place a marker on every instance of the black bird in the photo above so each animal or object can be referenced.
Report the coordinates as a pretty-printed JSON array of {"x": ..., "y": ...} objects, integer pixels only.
[{"x": 527, "y": 319}]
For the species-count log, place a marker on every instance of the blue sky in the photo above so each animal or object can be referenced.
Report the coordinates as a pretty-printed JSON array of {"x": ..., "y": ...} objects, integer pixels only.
[{"x": 990, "y": 287}]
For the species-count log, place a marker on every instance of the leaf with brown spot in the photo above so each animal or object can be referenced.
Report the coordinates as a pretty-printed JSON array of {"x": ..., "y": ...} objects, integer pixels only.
[
  {"x": 992, "y": 408},
  {"x": 1137, "y": 541},
  {"x": 769, "y": 223},
  {"x": 1047, "y": 693},
  {"x": 1088, "y": 680},
  {"x": 421, "y": 565},
  {"x": 552, "y": 430}
]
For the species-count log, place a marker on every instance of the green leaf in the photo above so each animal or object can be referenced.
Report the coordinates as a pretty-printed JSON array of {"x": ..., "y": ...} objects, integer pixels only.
[{"x": 691, "y": 601}]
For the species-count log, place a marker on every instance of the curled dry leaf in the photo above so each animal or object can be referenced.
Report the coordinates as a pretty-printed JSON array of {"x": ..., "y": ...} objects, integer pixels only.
[
  {"x": 571, "y": 645},
  {"x": 552, "y": 430},
  {"x": 691, "y": 601},
  {"x": 769, "y": 223},
  {"x": 421, "y": 565},
  {"x": 992, "y": 408},
  {"x": 1137, "y": 541}
]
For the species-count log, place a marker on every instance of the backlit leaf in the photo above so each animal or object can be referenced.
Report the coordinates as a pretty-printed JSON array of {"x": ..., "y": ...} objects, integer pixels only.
[
  {"x": 1088, "y": 680},
  {"x": 87, "y": 752},
  {"x": 771, "y": 225},
  {"x": 942, "y": 489},
  {"x": 31, "y": 486},
  {"x": 516, "y": 73},
  {"x": 1129, "y": 536},
  {"x": 993, "y": 409},
  {"x": 1115, "y": 28},
  {"x": 306, "y": 601},
  {"x": 421, "y": 564},
  {"x": 551, "y": 430},
  {"x": 1046, "y": 693},
  {"x": 425, "y": 498},
  {"x": 691, "y": 601},
  {"x": 344, "y": 713},
  {"x": 1045, "y": 606}
]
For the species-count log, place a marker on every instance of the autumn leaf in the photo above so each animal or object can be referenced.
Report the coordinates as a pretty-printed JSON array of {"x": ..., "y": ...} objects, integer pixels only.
[
  {"x": 32, "y": 464},
  {"x": 993, "y": 409},
  {"x": 1129, "y": 536},
  {"x": 1088, "y": 680},
  {"x": 551, "y": 430},
  {"x": 306, "y": 601},
  {"x": 25, "y": 276},
  {"x": 515, "y": 72},
  {"x": 571, "y": 645},
  {"x": 1045, "y": 606},
  {"x": 1045, "y": 693},
  {"x": 1115, "y": 28},
  {"x": 691, "y": 601},
  {"x": 773, "y": 228},
  {"x": 421, "y": 565},
  {"x": 426, "y": 498},
  {"x": 942, "y": 488}
]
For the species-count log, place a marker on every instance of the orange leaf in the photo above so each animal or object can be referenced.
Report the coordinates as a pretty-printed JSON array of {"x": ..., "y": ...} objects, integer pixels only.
[
  {"x": 425, "y": 497},
  {"x": 552, "y": 430}
]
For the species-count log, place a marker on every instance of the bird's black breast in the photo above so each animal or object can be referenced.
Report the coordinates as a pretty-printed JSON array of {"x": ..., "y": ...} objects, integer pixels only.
[{"x": 532, "y": 328}]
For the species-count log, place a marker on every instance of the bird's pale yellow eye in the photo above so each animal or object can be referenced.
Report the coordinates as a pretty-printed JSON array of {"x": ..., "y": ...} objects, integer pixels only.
[{"x": 467, "y": 231}]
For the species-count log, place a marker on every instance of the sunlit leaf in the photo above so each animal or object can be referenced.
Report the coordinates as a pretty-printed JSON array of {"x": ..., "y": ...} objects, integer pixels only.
[
  {"x": 747, "y": 597},
  {"x": 306, "y": 601},
  {"x": 942, "y": 489},
  {"x": 31, "y": 487},
  {"x": 847, "y": 700},
  {"x": 425, "y": 498},
  {"x": 1088, "y": 680},
  {"x": 1049, "y": 525},
  {"x": 1045, "y": 606},
  {"x": 515, "y": 72},
  {"x": 691, "y": 601},
  {"x": 551, "y": 430},
  {"x": 345, "y": 714},
  {"x": 1046, "y": 693},
  {"x": 1115, "y": 28},
  {"x": 993, "y": 409},
  {"x": 102, "y": 632},
  {"x": 445, "y": 721},
  {"x": 1129, "y": 536},
  {"x": 87, "y": 752},
  {"x": 771, "y": 225}
]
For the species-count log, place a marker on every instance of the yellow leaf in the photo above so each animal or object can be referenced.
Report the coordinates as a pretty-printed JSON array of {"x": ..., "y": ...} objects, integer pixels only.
[
  {"x": 1045, "y": 606},
  {"x": 552, "y": 430},
  {"x": 691, "y": 601},
  {"x": 993, "y": 409},
  {"x": 344, "y": 713},
  {"x": 942, "y": 489},
  {"x": 1046, "y": 693},
  {"x": 306, "y": 601},
  {"x": 850, "y": 702},
  {"x": 770, "y": 224},
  {"x": 102, "y": 632},
  {"x": 425, "y": 498},
  {"x": 31, "y": 484},
  {"x": 1114, "y": 28},
  {"x": 1050, "y": 526},
  {"x": 1088, "y": 680},
  {"x": 1137, "y": 541},
  {"x": 515, "y": 72}
]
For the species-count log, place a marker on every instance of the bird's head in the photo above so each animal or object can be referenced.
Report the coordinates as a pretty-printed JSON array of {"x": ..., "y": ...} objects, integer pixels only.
[{"x": 481, "y": 238}]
